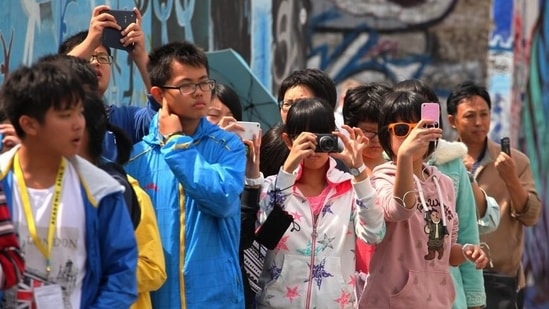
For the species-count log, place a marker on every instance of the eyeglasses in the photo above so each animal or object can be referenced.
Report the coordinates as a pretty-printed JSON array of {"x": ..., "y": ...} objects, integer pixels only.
[
  {"x": 401, "y": 129},
  {"x": 369, "y": 134},
  {"x": 102, "y": 58},
  {"x": 286, "y": 104},
  {"x": 189, "y": 88}
]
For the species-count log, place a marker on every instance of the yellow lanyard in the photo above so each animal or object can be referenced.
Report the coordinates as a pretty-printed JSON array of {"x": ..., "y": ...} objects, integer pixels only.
[{"x": 26, "y": 205}]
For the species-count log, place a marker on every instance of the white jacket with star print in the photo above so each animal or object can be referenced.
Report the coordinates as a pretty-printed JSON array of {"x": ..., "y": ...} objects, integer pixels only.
[{"x": 314, "y": 266}]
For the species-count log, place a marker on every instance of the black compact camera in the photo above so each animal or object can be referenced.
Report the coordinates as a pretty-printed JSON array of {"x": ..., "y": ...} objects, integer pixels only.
[{"x": 327, "y": 143}]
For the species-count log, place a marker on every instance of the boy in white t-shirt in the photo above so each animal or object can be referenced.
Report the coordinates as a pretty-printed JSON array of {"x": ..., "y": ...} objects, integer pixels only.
[{"x": 74, "y": 230}]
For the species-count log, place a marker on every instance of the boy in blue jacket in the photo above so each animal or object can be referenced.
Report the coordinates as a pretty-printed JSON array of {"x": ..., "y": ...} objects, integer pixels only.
[
  {"x": 194, "y": 173},
  {"x": 74, "y": 230}
]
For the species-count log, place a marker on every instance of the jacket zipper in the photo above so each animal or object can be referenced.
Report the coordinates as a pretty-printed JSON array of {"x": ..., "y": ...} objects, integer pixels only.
[{"x": 313, "y": 254}]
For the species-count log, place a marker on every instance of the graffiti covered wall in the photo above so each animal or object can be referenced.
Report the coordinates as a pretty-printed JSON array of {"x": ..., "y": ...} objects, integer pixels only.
[
  {"x": 440, "y": 42},
  {"x": 30, "y": 29}
]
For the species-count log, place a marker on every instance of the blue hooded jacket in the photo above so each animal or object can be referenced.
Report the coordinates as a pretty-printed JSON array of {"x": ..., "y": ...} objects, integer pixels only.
[
  {"x": 111, "y": 251},
  {"x": 194, "y": 183}
]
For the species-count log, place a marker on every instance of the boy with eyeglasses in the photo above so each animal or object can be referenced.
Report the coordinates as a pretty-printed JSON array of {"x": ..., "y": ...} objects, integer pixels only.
[
  {"x": 361, "y": 108},
  {"x": 88, "y": 44},
  {"x": 194, "y": 173}
]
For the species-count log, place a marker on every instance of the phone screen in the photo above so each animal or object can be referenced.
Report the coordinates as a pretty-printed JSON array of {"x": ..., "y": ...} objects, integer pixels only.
[
  {"x": 111, "y": 36},
  {"x": 505, "y": 145}
]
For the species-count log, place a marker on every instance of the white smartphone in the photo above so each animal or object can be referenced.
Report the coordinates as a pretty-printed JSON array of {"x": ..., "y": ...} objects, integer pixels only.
[
  {"x": 431, "y": 111},
  {"x": 251, "y": 128}
]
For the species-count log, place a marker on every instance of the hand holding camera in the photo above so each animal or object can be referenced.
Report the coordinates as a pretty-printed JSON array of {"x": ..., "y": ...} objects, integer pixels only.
[
  {"x": 302, "y": 146},
  {"x": 354, "y": 143}
]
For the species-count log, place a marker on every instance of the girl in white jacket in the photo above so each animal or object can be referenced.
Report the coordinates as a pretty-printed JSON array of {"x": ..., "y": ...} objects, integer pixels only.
[{"x": 313, "y": 264}]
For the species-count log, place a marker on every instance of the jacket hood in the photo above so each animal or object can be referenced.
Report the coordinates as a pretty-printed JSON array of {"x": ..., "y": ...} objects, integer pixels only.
[
  {"x": 334, "y": 176},
  {"x": 204, "y": 128},
  {"x": 448, "y": 151},
  {"x": 96, "y": 182}
]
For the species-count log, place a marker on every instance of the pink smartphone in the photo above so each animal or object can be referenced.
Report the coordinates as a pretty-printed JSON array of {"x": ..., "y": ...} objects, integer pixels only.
[{"x": 431, "y": 111}]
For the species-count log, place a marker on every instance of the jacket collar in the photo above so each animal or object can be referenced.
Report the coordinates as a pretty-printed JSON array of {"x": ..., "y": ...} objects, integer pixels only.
[{"x": 96, "y": 183}]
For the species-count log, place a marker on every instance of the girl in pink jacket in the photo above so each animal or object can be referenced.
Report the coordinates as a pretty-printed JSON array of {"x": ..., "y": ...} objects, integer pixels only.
[{"x": 410, "y": 266}]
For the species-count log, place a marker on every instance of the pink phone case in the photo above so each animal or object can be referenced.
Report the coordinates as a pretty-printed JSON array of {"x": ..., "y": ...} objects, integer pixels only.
[{"x": 430, "y": 111}]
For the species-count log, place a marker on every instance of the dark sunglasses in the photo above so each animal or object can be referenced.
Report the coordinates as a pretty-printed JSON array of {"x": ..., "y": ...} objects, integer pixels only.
[{"x": 401, "y": 129}]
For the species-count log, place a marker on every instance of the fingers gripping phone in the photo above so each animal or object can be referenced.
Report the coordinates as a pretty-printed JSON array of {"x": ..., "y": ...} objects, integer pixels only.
[
  {"x": 505, "y": 145},
  {"x": 431, "y": 111},
  {"x": 250, "y": 129},
  {"x": 111, "y": 36}
]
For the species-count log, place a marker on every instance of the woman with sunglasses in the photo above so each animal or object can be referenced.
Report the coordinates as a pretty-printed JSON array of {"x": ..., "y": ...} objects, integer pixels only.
[
  {"x": 409, "y": 268},
  {"x": 314, "y": 266}
]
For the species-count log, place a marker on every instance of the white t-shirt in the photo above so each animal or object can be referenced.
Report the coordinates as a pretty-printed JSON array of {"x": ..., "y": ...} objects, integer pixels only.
[{"x": 68, "y": 256}]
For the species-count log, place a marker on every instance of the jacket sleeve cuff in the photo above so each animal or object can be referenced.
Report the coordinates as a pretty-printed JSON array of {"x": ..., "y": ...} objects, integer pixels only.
[
  {"x": 285, "y": 180},
  {"x": 252, "y": 182},
  {"x": 363, "y": 188},
  {"x": 490, "y": 221},
  {"x": 475, "y": 298}
]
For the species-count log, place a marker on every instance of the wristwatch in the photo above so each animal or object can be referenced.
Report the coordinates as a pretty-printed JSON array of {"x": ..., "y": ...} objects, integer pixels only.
[
  {"x": 356, "y": 171},
  {"x": 165, "y": 138}
]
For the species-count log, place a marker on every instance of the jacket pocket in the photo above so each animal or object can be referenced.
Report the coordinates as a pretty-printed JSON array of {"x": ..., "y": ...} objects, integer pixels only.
[
  {"x": 326, "y": 287},
  {"x": 425, "y": 290}
]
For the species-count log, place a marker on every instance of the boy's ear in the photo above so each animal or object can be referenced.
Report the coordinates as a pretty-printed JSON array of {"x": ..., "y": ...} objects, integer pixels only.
[
  {"x": 452, "y": 121},
  {"x": 30, "y": 125},
  {"x": 156, "y": 93},
  {"x": 287, "y": 140}
]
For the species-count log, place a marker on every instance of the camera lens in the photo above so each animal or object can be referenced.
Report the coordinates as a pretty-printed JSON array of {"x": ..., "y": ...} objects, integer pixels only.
[{"x": 326, "y": 142}]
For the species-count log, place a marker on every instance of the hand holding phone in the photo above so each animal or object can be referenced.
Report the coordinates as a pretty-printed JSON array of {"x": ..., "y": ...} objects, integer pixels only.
[
  {"x": 505, "y": 145},
  {"x": 111, "y": 36},
  {"x": 250, "y": 129}
]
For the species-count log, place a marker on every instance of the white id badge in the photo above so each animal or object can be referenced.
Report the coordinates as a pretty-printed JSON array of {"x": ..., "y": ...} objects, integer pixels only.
[{"x": 48, "y": 297}]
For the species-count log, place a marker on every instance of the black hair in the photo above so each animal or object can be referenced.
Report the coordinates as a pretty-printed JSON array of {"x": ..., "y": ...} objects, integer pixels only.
[
  {"x": 466, "y": 90},
  {"x": 311, "y": 115},
  {"x": 229, "y": 98},
  {"x": 399, "y": 106},
  {"x": 32, "y": 91},
  {"x": 160, "y": 60},
  {"x": 79, "y": 66},
  {"x": 418, "y": 86},
  {"x": 363, "y": 103},
  {"x": 74, "y": 40},
  {"x": 273, "y": 151},
  {"x": 97, "y": 125},
  {"x": 316, "y": 80}
]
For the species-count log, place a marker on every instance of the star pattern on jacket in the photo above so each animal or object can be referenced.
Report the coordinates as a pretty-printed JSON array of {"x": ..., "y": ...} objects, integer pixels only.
[
  {"x": 297, "y": 216},
  {"x": 327, "y": 209},
  {"x": 326, "y": 242},
  {"x": 308, "y": 251},
  {"x": 344, "y": 299},
  {"x": 275, "y": 272},
  {"x": 352, "y": 280},
  {"x": 319, "y": 273},
  {"x": 292, "y": 293},
  {"x": 282, "y": 244}
]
